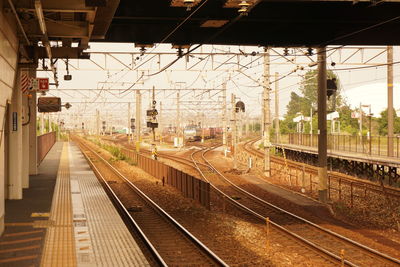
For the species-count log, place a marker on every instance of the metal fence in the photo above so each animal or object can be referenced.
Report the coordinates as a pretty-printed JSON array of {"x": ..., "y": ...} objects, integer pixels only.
[
  {"x": 44, "y": 143},
  {"x": 340, "y": 187},
  {"x": 374, "y": 145},
  {"x": 191, "y": 187}
]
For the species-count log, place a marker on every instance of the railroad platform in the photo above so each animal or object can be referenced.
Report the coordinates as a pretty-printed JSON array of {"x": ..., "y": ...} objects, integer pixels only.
[
  {"x": 361, "y": 157},
  {"x": 66, "y": 219},
  {"x": 357, "y": 164}
]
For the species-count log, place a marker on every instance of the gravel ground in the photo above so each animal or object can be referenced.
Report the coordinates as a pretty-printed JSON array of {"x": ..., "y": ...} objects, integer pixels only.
[
  {"x": 240, "y": 242},
  {"x": 386, "y": 241}
]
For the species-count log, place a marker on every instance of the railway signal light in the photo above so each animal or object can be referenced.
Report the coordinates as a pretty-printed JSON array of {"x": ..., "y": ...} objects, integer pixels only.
[
  {"x": 240, "y": 106},
  {"x": 331, "y": 87}
]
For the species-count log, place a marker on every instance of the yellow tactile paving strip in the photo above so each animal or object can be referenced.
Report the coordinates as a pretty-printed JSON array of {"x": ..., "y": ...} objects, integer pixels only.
[{"x": 59, "y": 248}]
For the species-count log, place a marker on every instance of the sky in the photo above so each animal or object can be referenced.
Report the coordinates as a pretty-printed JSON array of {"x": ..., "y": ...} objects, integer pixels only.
[
  {"x": 244, "y": 76},
  {"x": 374, "y": 95}
]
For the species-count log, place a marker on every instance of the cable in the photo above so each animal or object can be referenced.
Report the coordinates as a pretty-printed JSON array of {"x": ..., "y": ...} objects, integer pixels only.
[
  {"x": 183, "y": 22},
  {"x": 359, "y": 31},
  {"x": 228, "y": 25},
  {"x": 165, "y": 38},
  {"x": 367, "y": 67}
]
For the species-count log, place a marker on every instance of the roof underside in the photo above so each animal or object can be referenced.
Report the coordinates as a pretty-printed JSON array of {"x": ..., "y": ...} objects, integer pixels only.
[{"x": 269, "y": 23}]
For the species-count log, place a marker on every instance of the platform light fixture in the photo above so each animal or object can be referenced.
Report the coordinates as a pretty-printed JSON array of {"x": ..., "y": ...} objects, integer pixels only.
[
  {"x": 189, "y": 4},
  {"x": 244, "y": 6},
  {"x": 40, "y": 16}
]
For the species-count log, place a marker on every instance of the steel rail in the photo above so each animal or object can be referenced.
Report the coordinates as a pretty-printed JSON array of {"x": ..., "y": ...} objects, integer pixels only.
[
  {"x": 161, "y": 211},
  {"x": 123, "y": 211},
  {"x": 327, "y": 231},
  {"x": 326, "y": 253},
  {"x": 248, "y": 146}
]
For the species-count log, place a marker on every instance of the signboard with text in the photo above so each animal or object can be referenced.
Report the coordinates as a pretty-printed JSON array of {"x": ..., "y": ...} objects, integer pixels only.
[
  {"x": 39, "y": 84},
  {"x": 43, "y": 84}
]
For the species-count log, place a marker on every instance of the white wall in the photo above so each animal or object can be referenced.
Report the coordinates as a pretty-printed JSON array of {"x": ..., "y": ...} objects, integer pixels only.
[{"x": 8, "y": 66}]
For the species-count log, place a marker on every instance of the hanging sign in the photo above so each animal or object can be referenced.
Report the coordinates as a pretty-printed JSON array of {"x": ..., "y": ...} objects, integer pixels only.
[{"x": 39, "y": 84}]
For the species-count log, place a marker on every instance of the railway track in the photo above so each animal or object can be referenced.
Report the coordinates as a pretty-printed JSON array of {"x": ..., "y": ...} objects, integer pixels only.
[
  {"x": 249, "y": 148},
  {"x": 169, "y": 242},
  {"x": 321, "y": 241}
]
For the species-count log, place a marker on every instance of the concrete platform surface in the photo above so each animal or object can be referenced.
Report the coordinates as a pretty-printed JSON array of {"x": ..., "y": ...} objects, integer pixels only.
[{"x": 66, "y": 219}]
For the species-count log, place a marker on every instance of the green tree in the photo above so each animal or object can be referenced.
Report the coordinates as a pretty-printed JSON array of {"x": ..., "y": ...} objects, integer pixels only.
[
  {"x": 309, "y": 89},
  {"x": 383, "y": 123},
  {"x": 347, "y": 123},
  {"x": 303, "y": 104}
]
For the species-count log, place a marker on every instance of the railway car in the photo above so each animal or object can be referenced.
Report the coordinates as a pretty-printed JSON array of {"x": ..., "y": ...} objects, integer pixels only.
[
  {"x": 218, "y": 130},
  {"x": 191, "y": 133},
  {"x": 195, "y": 133}
]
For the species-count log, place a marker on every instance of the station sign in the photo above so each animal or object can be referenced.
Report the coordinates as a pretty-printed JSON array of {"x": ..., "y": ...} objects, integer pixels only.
[
  {"x": 43, "y": 84},
  {"x": 40, "y": 84}
]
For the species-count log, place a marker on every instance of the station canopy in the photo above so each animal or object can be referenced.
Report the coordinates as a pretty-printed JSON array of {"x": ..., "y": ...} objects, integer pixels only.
[
  {"x": 283, "y": 23},
  {"x": 268, "y": 22}
]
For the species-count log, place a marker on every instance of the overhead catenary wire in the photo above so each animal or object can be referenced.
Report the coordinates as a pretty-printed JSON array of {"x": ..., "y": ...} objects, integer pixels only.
[
  {"x": 167, "y": 36},
  {"x": 224, "y": 28}
]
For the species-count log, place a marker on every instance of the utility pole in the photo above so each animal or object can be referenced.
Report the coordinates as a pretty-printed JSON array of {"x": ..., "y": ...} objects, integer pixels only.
[
  {"x": 361, "y": 121},
  {"x": 138, "y": 120},
  {"x": 322, "y": 137},
  {"x": 247, "y": 124},
  {"x": 239, "y": 117},
  {"x": 262, "y": 124},
  {"x": 390, "y": 100},
  {"x": 160, "y": 126},
  {"x": 178, "y": 118},
  {"x": 266, "y": 114},
  {"x": 277, "y": 131},
  {"x": 110, "y": 119},
  {"x": 202, "y": 127},
  {"x": 370, "y": 129},
  {"x": 97, "y": 122},
  {"x": 128, "y": 131},
  {"x": 234, "y": 133},
  {"x": 224, "y": 117},
  {"x": 153, "y": 105},
  {"x": 311, "y": 126}
]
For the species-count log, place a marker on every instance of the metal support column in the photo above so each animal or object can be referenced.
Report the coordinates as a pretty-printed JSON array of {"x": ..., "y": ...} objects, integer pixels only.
[
  {"x": 322, "y": 137},
  {"x": 224, "y": 117},
  {"x": 25, "y": 141},
  {"x": 33, "y": 170},
  {"x": 266, "y": 114},
  {"x": 234, "y": 132},
  {"x": 277, "y": 131},
  {"x": 160, "y": 123},
  {"x": 14, "y": 182},
  {"x": 128, "y": 130},
  {"x": 178, "y": 119},
  {"x": 390, "y": 113},
  {"x": 138, "y": 120},
  {"x": 97, "y": 122},
  {"x": 361, "y": 123}
]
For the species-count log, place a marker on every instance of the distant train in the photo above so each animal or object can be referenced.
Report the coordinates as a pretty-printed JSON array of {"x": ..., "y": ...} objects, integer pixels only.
[{"x": 194, "y": 132}]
